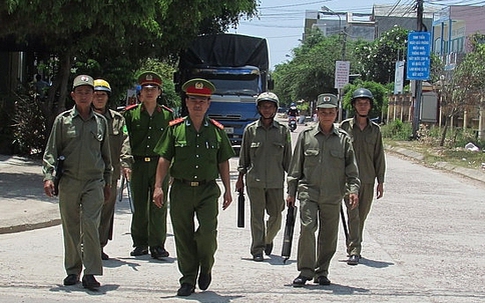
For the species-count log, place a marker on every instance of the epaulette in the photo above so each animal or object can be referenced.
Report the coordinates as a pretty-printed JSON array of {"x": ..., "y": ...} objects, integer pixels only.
[
  {"x": 176, "y": 121},
  {"x": 167, "y": 108},
  {"x": 219, "y": 125},
  {"x": 129, "y": 107}
]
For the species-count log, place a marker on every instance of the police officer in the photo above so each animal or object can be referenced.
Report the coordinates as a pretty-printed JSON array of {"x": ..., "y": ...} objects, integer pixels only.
[
  {"x": 323, "y": 167},
  {"x": 264, "y": 158},
  {"x": 196, "y": 150},
  {"x": 369, "y": 151},
  {"x": 82, "y": 137},
  {"x": 145, "y": 123},
  {"x": 120, "y": 157}
]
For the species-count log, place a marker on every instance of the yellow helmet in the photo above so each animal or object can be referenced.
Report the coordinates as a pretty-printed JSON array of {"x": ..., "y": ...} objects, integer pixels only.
[{"x": 102, "y": 85}]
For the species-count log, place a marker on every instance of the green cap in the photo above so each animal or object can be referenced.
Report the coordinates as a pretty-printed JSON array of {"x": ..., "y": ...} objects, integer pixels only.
[
  {"x": 327, "y": 101},
  {"x": 83, "y": 80}
]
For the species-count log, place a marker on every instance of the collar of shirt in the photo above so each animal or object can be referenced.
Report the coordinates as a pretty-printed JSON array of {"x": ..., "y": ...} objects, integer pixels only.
[
  {"x": 317, "y": 130},
  {"x": 75, "y": 112},
  {"x": 260, "y": 124},
  {"x": 142, "y": 107},
  {"x": 188, "y": 122}
]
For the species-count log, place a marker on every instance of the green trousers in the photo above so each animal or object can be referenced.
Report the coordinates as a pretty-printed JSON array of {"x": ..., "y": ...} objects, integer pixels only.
[
  {"x": 80, "y": 204},
  {"x": 357, "y": 218},
  {"x": 149, "y": 223},
  {"x": 313, "y": 260},
  {"x": 195, "y": 247},
  {"x": 107, "y": 216},
  {"x": 270, "y": 200}
]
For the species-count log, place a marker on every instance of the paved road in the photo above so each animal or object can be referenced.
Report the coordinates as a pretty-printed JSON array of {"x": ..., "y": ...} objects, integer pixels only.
[{"x": 423, "y": 243}]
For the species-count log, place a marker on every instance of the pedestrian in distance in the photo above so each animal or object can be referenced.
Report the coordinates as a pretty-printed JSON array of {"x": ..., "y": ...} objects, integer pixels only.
[
  {"x": 196, "y": 151},
  {"x": 120, "y": 157},
  {"x": 323, "y": 169},
  {"x": 369, "y": 151},
  {"x": 81, "y": 136},
  {"x": 264, "y": 158},
  {"x": 145, "y": 123}
]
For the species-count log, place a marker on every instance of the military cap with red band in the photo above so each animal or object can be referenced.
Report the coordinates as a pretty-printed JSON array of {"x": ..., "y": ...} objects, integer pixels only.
[
  {"x": 150, "y": 79},
  {"x": 199, "y": 87}
]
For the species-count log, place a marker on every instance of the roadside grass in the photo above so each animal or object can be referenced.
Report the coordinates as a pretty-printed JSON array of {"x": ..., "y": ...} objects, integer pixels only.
[{"x": 397, "y": 134}]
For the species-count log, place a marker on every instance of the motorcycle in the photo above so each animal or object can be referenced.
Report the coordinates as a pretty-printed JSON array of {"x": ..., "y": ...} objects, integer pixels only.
[{"x": 292, "y": 123}]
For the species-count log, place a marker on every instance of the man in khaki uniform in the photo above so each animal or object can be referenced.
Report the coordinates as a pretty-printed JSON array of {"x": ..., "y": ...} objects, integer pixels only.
[
  {"x": 196, "y": 150},
  {"x": 323, "y": 169},
  {"x": 120, "y": 157},
  {"x": 369, "y": 151},
  {"x": 82, "y": 137},
  {"x": 264, "y": 158}
]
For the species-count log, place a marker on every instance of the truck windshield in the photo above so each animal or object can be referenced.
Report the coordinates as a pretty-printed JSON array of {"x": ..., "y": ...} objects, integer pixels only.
[
  {"x": 249, "y": 87},
  {"x": 232, "y": 81}
]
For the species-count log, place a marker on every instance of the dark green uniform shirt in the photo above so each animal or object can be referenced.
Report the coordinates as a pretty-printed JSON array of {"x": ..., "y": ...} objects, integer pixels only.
[
  {"x": 119, "y": 142},
  {"x": 195, "y": 156},
  {"x": 146, "y": 130}
]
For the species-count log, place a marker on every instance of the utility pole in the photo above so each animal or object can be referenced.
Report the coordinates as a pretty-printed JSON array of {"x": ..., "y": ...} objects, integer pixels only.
[{"x": 419, "y": 83}]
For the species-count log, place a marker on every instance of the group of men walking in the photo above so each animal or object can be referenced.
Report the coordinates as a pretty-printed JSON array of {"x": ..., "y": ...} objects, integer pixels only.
[{"x": 91, "y": 146}]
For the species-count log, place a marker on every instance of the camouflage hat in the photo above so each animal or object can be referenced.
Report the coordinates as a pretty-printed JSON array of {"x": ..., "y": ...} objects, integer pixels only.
[
  {"x": 327, "y": 101},
  {"x": 199, "y": 87},
  {"x": 83, "y": 80},
  {"x": 150, "y": 79}
]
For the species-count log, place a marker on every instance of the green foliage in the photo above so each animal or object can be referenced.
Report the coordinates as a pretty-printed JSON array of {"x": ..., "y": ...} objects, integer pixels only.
[
  {"x": 397, "y": 130},
  {"x": 379, "y": 91}
]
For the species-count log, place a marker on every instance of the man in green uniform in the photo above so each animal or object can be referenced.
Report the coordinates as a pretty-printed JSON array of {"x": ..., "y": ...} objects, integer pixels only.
[
  {"x": 264, "y": 158},
  {"x": 145, "y": 123},
  {"x": 369, "y": 151},
  {"x": 323, "y": 169},
  {"x": 196, "y": 150},
  {"x": 120, "y": 157},
  {"x": 82, "y": 137}
]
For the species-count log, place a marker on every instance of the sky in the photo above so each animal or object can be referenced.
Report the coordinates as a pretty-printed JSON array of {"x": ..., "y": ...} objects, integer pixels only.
[{"x": 281, "y": 22}]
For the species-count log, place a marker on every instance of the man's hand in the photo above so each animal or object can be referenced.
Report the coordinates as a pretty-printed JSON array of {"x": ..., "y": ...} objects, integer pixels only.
[
  {"x": 290, "y": 201},
  {"x": 353, "y": 201},
  {"x": 107, "y": 192},
  {"x": 49, "y": 188},
  {"x": 239, "y": 184},
  {"x": 158, "y": 197},
  {"x": 227, "y": 199},
  {"x": 380, "y": 190},
  {"x": 127, "y": 173}
]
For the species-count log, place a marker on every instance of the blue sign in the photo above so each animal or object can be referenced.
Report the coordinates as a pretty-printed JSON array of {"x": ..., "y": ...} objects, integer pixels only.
[{"x": 418, "y": 57}]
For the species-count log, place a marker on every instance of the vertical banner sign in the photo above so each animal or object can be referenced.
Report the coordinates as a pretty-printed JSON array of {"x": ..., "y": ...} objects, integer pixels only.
[
  {"x": 342, "y": 70},
  {"x": 418, "y": 55},
  {"x": 399, "y": 77}
]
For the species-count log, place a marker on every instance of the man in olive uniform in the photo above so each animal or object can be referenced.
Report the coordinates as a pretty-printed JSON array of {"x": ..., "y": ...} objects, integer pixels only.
[
  {"x": 369, "y": 151},
  {"x": 145, "y": 123},
  {"x": 196, "y": 150},
  {"x": 120, "y": 157},
  {"x": 323, "y": 169},
  {"x": 82, "y": 137},
  {"x": 264, "y": 158}
]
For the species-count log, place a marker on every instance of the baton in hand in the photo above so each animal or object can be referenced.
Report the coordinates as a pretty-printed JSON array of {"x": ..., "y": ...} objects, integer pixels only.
[
  {"x": 288, "y": 235},
  {"x": 240, "y": 208}
]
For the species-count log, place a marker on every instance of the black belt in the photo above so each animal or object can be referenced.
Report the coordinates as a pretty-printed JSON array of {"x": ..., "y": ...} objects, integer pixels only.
[
  {"x": 193, "y": 183},
  {"x": 146, "y": 158}
]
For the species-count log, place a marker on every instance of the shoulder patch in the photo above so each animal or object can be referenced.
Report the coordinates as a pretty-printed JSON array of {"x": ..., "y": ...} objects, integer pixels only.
[
  {"x": 167, "y": 108},
  {"x": 219, "y": 125},
  {"x": 176, "y": 121},
  {"x": 129, "y": 107}
]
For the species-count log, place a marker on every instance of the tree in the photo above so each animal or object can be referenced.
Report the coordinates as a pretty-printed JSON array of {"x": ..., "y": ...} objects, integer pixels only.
[{"x": 379, "y": 92}]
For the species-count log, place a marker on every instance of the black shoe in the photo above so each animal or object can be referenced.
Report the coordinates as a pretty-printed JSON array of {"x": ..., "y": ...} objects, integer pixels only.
[
  {"x": 300, "y": 281},
  {"x": 322, "y": 280},
  {"x": 104, "y": 256},
  {"x": 139, "y": 251},
  {"x": 158, "y": 252},
  {"x": 258, "y": 258},
  {"x": 353, "y": 260},
  {"x": 204, "y": 281},
  {"x": 268, "y": 249},
  {"x": 90, "y": 282},
  {"x": 71, "y": 279},
  {"x": 185, "y": 290}
]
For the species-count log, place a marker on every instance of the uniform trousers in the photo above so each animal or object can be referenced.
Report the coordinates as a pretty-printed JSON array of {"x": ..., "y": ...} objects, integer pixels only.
[
  {"x": 357, "y": 218},
  {"x": 107, "y": 216},
  {"x": 80, "y": 204},
  {"x": 314, "y": 261},
  {"x": 270, "y": 200},
  {"x": 196, "y": 245},
  {"x": 149, "y": 223}
]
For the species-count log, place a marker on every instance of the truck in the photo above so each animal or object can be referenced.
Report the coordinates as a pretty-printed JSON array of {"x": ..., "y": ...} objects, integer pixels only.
[{"x": 237, "y": 65}]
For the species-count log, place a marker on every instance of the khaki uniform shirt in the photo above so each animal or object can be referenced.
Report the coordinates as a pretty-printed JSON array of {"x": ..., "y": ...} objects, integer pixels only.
[
  {"x": 369, "y": 150},
  {"x": 195, "y": 155},
  {"x": 265, "y": 155},
  {"x": 84, "y": 144},
  {"x": 119, "y": 142},
  {"x": 322, "y": 166}
]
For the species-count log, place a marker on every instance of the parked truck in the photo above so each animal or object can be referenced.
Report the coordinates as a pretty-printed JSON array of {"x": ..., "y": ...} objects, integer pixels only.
[{"x": 238, "y": 67}]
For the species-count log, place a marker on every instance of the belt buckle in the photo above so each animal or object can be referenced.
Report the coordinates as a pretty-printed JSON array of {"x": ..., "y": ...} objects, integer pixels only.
[
  {"x": 194, "y": 183},
  {"x": 147, "y": 159}
]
